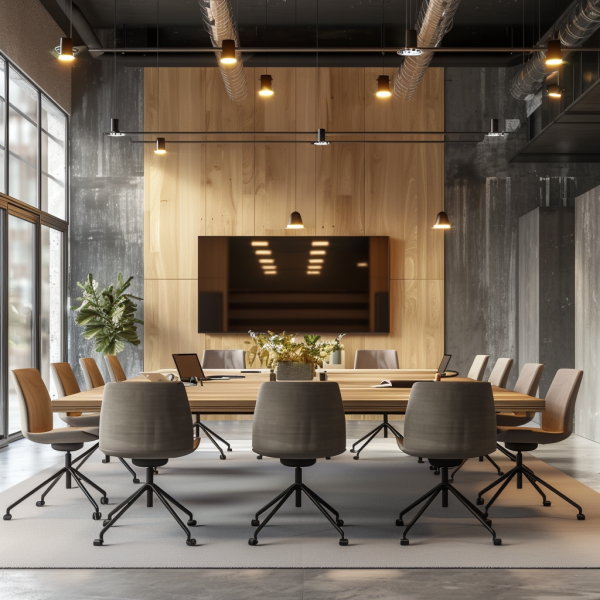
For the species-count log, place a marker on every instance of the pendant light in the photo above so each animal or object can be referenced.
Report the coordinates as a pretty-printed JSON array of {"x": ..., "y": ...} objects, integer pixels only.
[
  {"x": 114, "y": 123},
  {"x": 383, "y": 81},
  {"x": 442, "y": 221},
  {"x": 228, "y": 52},
  {"x": 295, "y": 221},
  {"x": 321, "y": 138},
  {"x": 554, "y": 91},
  {"x": 411, "y": 41},
  {"x": 554, "y": 54},
  {"x": 65, "y": 50},
  {"x": 495, "y": 129},
  {"x": 161, "y": 146},
  {"x": 266, "y": 81}
]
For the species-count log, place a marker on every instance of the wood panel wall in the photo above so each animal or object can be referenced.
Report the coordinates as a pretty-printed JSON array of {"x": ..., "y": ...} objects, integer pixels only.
[{"x": 393, "y": 189}]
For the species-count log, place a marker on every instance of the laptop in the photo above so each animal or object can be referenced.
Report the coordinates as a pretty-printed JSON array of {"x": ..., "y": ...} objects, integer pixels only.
[
  {"x": 188, "y": 366},
  {"x": 444, "y": 364}
]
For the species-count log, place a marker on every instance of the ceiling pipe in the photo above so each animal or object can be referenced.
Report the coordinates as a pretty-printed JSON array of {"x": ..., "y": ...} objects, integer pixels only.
[
  {"x": 579, "y": 24},
  {"x": 83, "y": 28},
  {"x": 218, "y": 21},
  {"x": 435, "y": 20}
]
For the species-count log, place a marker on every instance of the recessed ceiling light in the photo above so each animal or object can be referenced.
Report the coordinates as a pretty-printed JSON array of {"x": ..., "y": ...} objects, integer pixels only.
[
  {"x": 362, "y": 264},
  {"x": 317, "y": 252},
  {"x": 315, "y": 267},
  {"x": 268, "y": 267},
  {"x": 263, "y": 252},
  {"x": 266, "y": 261},
  {"x": 320, "y": 243},
  {"x": 313, "y": 272},
  {"x": 270, "y": 272},
  {"x": 315, "y": 260},
  {"x": 259, "y": 243}
]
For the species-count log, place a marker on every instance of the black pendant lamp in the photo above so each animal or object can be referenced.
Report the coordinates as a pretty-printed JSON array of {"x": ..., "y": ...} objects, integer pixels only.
[
  {"x": 228, "y": 52},
  {"x": 295, "y": 221},
  {"x": 554, "y": 54},
  {"x": 65, "y": 50},
  {"x": 442, "y": 221}
]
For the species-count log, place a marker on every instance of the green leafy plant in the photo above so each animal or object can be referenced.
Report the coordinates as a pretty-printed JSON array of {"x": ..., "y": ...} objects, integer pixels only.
[{"x": 108, "y": 316}]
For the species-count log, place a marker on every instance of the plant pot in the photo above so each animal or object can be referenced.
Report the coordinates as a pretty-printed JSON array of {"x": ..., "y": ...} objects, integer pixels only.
[
  {"x": 335, "y": 358},
  {"x": 294, "y": 371}
]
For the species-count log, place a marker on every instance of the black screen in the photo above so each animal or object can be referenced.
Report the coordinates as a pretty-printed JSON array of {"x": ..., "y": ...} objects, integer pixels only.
[{"x": 298, "y": 284}]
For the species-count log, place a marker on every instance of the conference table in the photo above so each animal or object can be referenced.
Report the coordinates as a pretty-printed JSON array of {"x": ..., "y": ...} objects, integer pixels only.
[{"x": 238, "y": 396}]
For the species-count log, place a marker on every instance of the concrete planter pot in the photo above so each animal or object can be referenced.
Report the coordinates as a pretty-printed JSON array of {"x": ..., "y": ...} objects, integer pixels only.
[
  {"x": 336, "y": 358},
  {"x": 294, "y": 371}
]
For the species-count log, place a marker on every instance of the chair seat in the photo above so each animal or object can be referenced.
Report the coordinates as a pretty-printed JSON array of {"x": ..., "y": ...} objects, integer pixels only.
[
  {"x": 530, "y": 435},
  {"x": 513, "y": 419},
  {"x": 84, "y": 420},
  {"x": 65, "y": 435},
  {"x": 305, "y": 455},
  {"x": 160, "y": 454}
]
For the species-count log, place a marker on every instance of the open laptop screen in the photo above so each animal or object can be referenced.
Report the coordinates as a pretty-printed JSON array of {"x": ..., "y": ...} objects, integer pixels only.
[
  {"x": 188, "y": 365},
  {"x": 444, "y": 364}
]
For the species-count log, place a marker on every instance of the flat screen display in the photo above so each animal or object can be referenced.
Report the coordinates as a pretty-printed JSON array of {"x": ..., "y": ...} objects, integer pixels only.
[{"x": 299, "y": 284}]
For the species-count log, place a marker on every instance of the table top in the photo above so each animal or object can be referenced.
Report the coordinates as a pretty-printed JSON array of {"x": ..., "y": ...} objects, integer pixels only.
[{"x": 238, "y": 396}]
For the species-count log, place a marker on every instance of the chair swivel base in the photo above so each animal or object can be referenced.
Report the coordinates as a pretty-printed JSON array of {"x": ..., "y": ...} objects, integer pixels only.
[
  {"x": 83, "y": 457},
  {"x": 298, "y": 488},
  {"x": 519, "y": 471},
  {"x": 70, "y": 473},
  {"x": 444, "y": 487},
  {"x": 487, "y": 457},
  {"x": 384, "y": 426},
  {"x": 151, "y": 490}
]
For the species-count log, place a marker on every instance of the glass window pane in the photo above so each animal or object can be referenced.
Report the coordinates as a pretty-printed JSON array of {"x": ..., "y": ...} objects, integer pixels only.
[
  {"x": 22, "y": 139},
  {"x": 2, "y": 124},
  {"x": 52, "y": 305},
  {"x": 54, "y": 125},
  {"x": 21, "y": 273}
]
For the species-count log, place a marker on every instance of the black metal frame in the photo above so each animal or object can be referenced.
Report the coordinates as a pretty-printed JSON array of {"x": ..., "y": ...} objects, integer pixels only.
[
  {"x": 385, "y": 425},
  {"x": 211, "y": 435}
]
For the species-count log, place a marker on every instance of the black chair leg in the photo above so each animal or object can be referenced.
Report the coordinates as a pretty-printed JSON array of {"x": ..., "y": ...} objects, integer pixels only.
[
  {"x": 131, "y": 471},
  {"x": 491, "y": 461},
  {"x": 506, "y": 452},
  {"x": 385, "y": 426}
]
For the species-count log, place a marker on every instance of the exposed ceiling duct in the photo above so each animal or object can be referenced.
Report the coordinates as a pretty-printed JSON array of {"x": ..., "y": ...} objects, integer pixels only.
[
  {"x": 573, "y": 30},
  {"x": 435, "y": 20},
  {"x": 219, "y": 22},
  {"x": 81, "y": 25}
]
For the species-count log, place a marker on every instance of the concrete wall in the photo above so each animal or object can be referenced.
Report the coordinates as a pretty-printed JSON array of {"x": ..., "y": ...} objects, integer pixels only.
[
  {"x": 484, "y": 198},
  {"x": 587, "y": 312},
  {"x": 107, "y": 193}
]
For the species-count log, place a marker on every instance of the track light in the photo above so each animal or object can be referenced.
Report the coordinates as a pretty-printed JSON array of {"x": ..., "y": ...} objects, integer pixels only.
[
  {"x": 321, "y": 139},
  {"x": 161, "y": 147},
  {"x": 228, "y": 52},
  {"x": 554, "y": 54},
  {"x": 266, "y": 86},
  {"x": 383, "y": 87},
  {"x": 554, "y": 91},
  {"x": 410, "y": 44},
  {"x": 295, "y": 221},
  {"x": 114, "y": 129},
  {"x": 442, "y": 221},
  {"x": 65, "y": 50},
  {"x": 495, "y": 129}
]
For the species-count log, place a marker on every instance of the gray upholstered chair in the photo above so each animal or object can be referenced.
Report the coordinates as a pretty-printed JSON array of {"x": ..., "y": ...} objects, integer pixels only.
[
  {"x": 375, "y": 359},
  {"x": 115, "y": 370},
  {"x": 148, "y": 423},
  {"x": 557, "y": 425},
  {"x": 91, "y": 373},
  {"x": 448, "y": 423},
  {"x": 37, "y": 426},
  {"x": 500, "y": 372},
  {"x": 477, "y": 369},
  {"x": 224, "y": 359},
  {"x": 299, "y": 422}
]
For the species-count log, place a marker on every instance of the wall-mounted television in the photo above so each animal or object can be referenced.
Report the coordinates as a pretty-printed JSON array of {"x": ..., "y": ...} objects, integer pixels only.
[{"x": 299, "y": 284}]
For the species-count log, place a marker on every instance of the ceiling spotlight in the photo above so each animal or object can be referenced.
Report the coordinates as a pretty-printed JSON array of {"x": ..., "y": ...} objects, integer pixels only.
[
  {"x": 269, "y": 272},
  {"x": 554, "y": 54},
  {"x": 320, "y": 243},
  {"x": 315, "y": 267},
  {"x": 259, "y": 243},
  {"x": 228, "y": 52},
  {"x": 410, "y": 44},
  {"x": 295, "y": 221},
  {"x": 161, "y": 147},
  {"x": 362, "y": 264},
  {"x": 266, "y": 261},
  {"x": 316, "y": 260},
  {"x": 495, "y": 129},
  {"x": 313, "y": 272},
  {"x": 383, "y": 87},
  {"x": 266, "y": 86},
  {"x": 268, "y": 267},
  {"x": 263, "y": 252},
  {"x": 554, "y": 91},
  {"x": 321, "y": 141},
  {"x": 65, "y": 50},
  {"x": 317, "y": 252},
  {"x": 114, "y": 129},
  {"x": 442, "y": 221}
]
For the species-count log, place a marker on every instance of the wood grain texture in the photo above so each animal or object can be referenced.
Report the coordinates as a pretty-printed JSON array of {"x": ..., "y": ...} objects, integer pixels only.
[
  {"x": 277, "y": 112},
  {"x": 341, "y": 94},
  {"x": 223, "y": 114}
]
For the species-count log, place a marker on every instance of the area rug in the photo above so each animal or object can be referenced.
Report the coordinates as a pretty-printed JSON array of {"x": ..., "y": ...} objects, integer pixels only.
[{"x": 223, "y": 495}]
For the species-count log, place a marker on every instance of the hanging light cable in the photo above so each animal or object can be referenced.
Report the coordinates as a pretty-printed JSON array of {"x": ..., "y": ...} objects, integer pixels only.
[
  {"x": 65, "y": 50},
  {"x": 383, "y": 81},
  {"x": 114, "y": 123},
  {"x": 266, "y": 81},
  {"x": 411, "y": 41},
  {"x": 161, "y": 147}
]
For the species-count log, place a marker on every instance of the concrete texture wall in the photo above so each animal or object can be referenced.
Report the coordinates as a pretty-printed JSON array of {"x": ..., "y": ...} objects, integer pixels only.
[
  {"x": 107, "y": 193},
  {"x": 484, "y": 197},
  {"x": 587, "y": 312},
  {"x": 28, "y": 36}
]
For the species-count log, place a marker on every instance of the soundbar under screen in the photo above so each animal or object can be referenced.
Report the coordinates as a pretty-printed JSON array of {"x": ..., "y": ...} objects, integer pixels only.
[{"x": 297, "y": 284}]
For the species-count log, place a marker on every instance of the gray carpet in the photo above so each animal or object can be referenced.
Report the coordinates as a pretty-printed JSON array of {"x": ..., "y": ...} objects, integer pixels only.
[{"x": 223, "y": 496}]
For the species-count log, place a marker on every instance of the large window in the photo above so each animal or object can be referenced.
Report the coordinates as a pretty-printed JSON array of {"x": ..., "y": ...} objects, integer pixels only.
[{"x": 33, "y": 236}]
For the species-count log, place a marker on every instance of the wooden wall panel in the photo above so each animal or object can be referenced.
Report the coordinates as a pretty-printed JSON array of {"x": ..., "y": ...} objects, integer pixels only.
[
  {"x": 221, "y": 113},
  {"x": 341, "y": 99},
  {"x": 277, "y": 112}
]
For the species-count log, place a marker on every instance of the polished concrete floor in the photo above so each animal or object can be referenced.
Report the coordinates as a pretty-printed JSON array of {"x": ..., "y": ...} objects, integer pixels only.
[{"x": 578, "y": 457}]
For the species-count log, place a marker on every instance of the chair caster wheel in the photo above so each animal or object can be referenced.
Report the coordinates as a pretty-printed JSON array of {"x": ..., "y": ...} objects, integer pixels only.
[
  {"x": 228, "y": 449},
  {"x": 155, "y": 471},
  {"x": 192, "y": 522},
  {"x": 259, "y": 457},
  {"x": 328, "y": 458},
  {"x": 546, "y": 503},
  {"x": 222, "y": 457},
  {"x": 106, "y": 460},
  {"x": 253, "y": 542},
  {"x": 7, "y": 517},
  {"x": 404, "y": 542},
  {"x": 436, "y": 472},
  {"x": 98, "y": 542},
  {"x": 136, "y": 480},
  {"x": 451, "y": 480},
  {"x": 105, "y": 522},
  {"x": 352, "y": 450},
  {"x": 104, "y": 500},
  {"x": 431, "y": 467},
  {"x": 343, "y": 542},
  {"x": 355, "y": 457},
  {"x": 399, "y": 522},
  {"x": 96, "y": 516},
  {"x": 340, "y": 523},
  {"x": 579, "y": 517},
  {"x": 191, "y": 542},
  {"x": 479, "y": 501},
  {"x": 255, "y": 523},
  {"x": 497, "y": 542},
  {"x": 40, "y": 503}
]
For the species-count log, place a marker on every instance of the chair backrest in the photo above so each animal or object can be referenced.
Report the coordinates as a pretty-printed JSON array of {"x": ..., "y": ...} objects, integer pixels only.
[
  {"x": 560, "y": 401},
  {"x": 478, "y": 367},
  {"x": 64, "y": 379},
  {"x": 450, "y": 420},
  {"x": 529, "y": 379},
  {"x": 91, "y": 373},
  {"x": 115, "y": 370},
  {"x": 223, "y": 359},
  {"x": 145, "y": 420},
  {"x": 376, "y": 359},
  {"x": 299, "y": 420},
  {"x": 500, "y": 372},
  {"x": 34, "y": 401}
]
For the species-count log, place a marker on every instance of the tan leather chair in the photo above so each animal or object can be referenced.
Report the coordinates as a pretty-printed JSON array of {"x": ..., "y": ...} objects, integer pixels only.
[
  {"x": 448, "y": 423},
  {"x": 375, "y": 359},
  {"x": 557, "y": 425},
  {"x": 477, "y": 369},
  {"x": 298, "y": 423},
  {"x": 528, "y": 383},
  {"x": 91, "y": 373},
  {"x": 500, "y": 372},
  {"x": 148, "y": 423},
  {"x": 223, "y": 359},
  {"x": 115, "y": 370},
  {"x": 37, "y": 426}
]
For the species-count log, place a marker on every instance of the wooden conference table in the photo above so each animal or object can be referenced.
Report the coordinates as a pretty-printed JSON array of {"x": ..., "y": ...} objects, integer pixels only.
[{"x": 238, "y": 396}]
